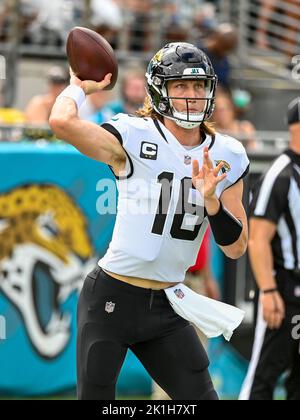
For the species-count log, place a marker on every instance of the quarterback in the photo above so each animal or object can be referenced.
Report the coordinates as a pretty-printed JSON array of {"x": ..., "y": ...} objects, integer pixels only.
[{"x": 195, "y": 178}]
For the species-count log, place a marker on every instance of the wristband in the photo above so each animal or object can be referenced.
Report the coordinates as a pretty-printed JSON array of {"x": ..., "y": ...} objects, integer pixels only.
[
  {"x": 73, "y": 92},
  {"x": 269, "y": 291},
  {"x": 225, "y": 227}
]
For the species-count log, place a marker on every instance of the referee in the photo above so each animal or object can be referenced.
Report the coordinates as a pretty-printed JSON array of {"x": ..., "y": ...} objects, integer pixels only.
[{"x": 274, "y": 248}]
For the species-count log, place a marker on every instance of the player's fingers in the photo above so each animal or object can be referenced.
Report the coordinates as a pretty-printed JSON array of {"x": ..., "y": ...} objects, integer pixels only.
[
  {"x": 218, "y": 168},
  {"x": 220, "y": 178},
  {"x": 206, "y": 159},
  {"x": 195, "y": 170},
  {"x": 105, "y": 82}
]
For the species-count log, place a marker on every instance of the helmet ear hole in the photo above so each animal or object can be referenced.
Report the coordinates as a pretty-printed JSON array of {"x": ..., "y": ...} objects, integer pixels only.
[{"x": 164, "y": 105}]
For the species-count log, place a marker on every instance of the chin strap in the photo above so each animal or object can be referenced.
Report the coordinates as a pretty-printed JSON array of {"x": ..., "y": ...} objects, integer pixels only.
[{"x": 188, "y": 125}]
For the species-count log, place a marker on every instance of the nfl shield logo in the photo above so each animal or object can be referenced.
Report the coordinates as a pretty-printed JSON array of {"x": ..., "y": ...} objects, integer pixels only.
[
  {"x": 109, "y": 307},
  {"x": 187, "y": 160},
  {"x": 179, "y": 293}
]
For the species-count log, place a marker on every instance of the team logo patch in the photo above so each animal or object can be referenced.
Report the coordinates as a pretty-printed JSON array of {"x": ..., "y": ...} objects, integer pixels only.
[
  {"x": 179, "y": 293},
  {"x": 226, "y": 168},
  {"x": 187, "y": 160},
  {"x": 149, "y": 150},
  {"x": 109, "y": 307}
]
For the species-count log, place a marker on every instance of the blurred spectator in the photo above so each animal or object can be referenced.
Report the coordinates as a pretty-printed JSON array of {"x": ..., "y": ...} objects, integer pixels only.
[
  {"x": 188, "y": 20},
  {"x": 205, "y": 19},
  {"x": 48, "y": 22},
  {"x": 4, "y": 13},
  {"x": 27, "y": 13},
  {"x": 132, "y": 97},
  {"x": 219, "y": 45},
  {"x": 177, "y": 21},
  {"x": 39, "y": 108},
  {"x": 140, "y": 31},
  {"x": 106, "y": 19},
  {"x": 277, "y": 21},
  {"x": 225, "y": 118}
]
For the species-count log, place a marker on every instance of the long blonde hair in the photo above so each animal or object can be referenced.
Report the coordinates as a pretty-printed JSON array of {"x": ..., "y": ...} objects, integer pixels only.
[{"x": 148, "y": 111}]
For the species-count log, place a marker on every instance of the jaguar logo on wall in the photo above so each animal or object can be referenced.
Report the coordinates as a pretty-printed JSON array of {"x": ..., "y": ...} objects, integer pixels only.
[{"x": 45, "y": 253}]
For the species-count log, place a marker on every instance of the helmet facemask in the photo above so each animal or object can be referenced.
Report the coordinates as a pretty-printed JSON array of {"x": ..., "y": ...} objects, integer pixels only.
[
  {"x": 190, "y": 119},
  {"x": 195, "y": 65}
]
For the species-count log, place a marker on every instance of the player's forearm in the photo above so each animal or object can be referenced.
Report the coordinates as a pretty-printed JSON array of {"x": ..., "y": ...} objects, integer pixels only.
[
  {"x": 63, "y": 116},
  {"x": 67, "y": 126},
  {"x": 261, "y": 259},
  {"x": 238, "y": 246},
  {"x": 90, "y": 139}
]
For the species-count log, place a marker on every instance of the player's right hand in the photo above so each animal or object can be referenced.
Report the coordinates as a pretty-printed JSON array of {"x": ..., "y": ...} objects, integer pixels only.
[
  {"x": 273, "y": 309},
  {"x": 206, "y": 179},
  {"x": 90, "y": 86}
]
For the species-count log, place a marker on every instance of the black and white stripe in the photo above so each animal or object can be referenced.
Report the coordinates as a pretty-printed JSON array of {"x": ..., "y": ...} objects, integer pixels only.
[
  {"x": 277, "y": 199},
  {"x": 260, "y": 333}
]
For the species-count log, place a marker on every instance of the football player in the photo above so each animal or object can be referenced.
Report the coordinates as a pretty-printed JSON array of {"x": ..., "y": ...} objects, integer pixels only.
[{"x": 175, "y": 176}]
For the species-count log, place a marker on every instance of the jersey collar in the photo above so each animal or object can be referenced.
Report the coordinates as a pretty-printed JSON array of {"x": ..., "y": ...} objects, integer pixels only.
[{"x": 172, "y": 140}]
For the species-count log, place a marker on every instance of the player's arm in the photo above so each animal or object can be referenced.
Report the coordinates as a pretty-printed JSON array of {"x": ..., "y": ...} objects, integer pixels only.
[
  {"x": 232, "y": 201},
  {"x": 90, "y": 139},
  {"x": 226, "y": 216}
]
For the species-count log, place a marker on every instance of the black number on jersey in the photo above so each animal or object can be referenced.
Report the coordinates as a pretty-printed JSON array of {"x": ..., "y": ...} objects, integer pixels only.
[{"x": 183, "y": 207}]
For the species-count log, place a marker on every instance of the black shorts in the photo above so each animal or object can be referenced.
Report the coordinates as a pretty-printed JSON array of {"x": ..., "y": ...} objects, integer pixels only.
[{"x": 114, "y": 316}]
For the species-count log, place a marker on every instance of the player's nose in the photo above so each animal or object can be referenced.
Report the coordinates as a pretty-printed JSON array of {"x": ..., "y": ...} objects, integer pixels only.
[{"x": 193, "y": 92}]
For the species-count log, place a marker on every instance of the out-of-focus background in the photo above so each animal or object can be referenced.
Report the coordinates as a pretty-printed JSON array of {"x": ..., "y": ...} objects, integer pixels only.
[{"x": 51, "y": 232}]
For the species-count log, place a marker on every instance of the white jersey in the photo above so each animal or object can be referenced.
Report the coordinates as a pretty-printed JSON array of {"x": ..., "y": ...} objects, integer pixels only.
[{"x": 161, "y": 218}]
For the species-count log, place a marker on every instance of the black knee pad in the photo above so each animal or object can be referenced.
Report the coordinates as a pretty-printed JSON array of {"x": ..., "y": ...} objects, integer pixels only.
[{"x": 102, "y": 359}]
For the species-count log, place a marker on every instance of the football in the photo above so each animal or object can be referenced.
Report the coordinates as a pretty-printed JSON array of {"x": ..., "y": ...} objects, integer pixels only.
[{"x": 90, "y": 56}]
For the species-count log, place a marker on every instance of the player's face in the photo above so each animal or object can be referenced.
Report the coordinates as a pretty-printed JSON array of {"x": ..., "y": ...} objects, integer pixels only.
[{"x": 192, "y": 89}]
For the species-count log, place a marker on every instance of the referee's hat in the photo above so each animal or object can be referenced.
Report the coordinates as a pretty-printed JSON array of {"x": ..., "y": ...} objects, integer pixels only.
[{"x": 293, "y": 114}]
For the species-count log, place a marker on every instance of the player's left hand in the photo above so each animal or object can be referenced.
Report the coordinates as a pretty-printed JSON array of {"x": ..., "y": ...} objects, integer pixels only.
[{"x": 206, "y": 179}]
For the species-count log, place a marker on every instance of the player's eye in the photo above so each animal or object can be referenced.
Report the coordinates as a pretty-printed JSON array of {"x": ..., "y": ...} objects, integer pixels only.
[{"x": 200, "y": 85}]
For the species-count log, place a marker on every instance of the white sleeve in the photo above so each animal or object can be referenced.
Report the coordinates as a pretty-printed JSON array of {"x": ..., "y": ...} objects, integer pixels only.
[
  {"x": 237, "y": 164},
  {"x": 240, "y": 167},
  {"x": 119, "y": 126}
]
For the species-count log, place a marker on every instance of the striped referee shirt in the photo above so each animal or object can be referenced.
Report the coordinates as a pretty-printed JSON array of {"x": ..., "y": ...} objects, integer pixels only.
[{"x": 277, "y": 198}]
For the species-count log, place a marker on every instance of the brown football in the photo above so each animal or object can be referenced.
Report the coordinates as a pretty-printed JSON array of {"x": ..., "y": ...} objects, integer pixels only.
[{"x": 90, "y": 56}]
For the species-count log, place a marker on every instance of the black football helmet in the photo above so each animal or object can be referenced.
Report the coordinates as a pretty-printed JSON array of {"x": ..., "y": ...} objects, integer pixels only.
[{"x": 180, "y": 61}]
